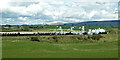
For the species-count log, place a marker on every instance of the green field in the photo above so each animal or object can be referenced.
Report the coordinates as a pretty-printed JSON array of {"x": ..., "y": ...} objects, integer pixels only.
[{"x": 22, "y": 47}]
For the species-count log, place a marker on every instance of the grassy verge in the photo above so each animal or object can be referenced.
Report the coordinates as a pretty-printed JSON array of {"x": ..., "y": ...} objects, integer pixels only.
[{"x": 22, "y": 47}]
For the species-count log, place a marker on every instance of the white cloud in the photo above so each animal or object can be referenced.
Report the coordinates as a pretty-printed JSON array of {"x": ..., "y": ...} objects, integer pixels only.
[
  {"x": 22, "y": 18},
  {"x": 92, "y": 14},
  {"x": 63, "y": 11},
  {"x": 104, "y": 12},
  {"x": 4, "y": 4},
  {"x": 8, "y": 19}
]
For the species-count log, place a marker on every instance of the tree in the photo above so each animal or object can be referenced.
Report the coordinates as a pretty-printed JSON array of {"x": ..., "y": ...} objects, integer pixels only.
[
  {"x": 18, "y": 26},
  {"x": 9, "y": 26},
  {"x": 25, "y": 28}
]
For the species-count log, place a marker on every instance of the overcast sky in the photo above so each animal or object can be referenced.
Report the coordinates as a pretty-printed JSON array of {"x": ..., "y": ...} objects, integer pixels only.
[{"x": 53, "y": 11}]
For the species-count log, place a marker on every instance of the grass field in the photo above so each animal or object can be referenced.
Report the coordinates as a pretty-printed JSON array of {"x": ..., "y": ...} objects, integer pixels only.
[{"x": 22, "y": 47}]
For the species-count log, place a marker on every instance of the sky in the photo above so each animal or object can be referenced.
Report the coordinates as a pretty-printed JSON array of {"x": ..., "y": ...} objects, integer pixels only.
[{"x": 16, "y": 12}]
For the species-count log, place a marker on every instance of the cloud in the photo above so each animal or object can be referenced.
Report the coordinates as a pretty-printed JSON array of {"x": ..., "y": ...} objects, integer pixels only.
[
  {"x": 23, "y": 18},
  {"x": 46, "y": 11}
]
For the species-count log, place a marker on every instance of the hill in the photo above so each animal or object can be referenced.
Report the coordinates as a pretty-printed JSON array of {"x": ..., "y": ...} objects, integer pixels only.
[{"x": 110, "y": 22}]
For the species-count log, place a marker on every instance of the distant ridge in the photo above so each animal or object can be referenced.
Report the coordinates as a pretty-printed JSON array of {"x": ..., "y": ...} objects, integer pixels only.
[{"x": 110, "y": 22}]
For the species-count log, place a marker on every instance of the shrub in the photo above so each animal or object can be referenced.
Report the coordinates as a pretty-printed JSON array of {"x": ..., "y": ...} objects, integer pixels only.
[
  {"x": 34, "y": 39},
  {"x": 95, "y": 37},
  {"x": 112, "y": 31},
  {"x": 82, "y": 37},
  {"x": 48, "y": 38},
  {"x": 55, "y": 38},
  {"x": 79, "y": 38}
]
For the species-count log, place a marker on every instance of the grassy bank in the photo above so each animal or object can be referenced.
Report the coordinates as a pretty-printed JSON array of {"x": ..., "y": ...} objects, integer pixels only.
[
  {"x": 58, "y": 50},
  {"x": 22, "y": 47}
]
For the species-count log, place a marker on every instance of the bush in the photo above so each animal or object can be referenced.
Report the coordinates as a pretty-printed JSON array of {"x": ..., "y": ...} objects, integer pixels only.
[
  {"x": 84, "y": 37},
  {"x": 34, "y": 39},
  {"x": 112, "y": 31},
  {"x": 79, "y": 38},
  {"x": 55, "y": 38},
  {"x": 95, "y": 37}
]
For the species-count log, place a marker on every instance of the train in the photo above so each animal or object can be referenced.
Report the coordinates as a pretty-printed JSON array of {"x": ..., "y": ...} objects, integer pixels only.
[
  {"x": 33, "y": 33},
  {"x": 71, "y": 32},
  {"x": 42, "y": 33}
]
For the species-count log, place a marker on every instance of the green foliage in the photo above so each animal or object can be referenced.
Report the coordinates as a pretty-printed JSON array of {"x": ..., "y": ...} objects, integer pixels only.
[
  {"x": 47, "y": 27},
  {"x": 112, "y": 31},
  {"x": 25, "y": 28},
  {"x": 6, "y": 30},
  {"x": 95, "y": 37},
  {"x": 69, "y": 39},
  {"x": 55, "y": 38},
  {"x": 9, "y": 26},
  {"x": 34, "y": 39}
]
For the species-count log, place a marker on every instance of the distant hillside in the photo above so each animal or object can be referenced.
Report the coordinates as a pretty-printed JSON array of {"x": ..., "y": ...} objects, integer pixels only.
[{"x": 112, "y": 22}]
